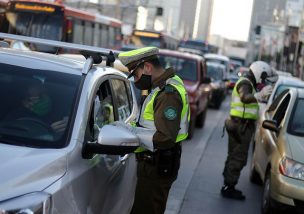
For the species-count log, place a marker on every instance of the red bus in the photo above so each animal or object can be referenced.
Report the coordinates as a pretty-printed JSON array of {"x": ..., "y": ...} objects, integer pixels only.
[
  {"x": 59, "y": 22},
  {"x": 142, "y": 38}
]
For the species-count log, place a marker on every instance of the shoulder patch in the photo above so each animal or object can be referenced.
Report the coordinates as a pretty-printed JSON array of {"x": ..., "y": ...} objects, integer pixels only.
[{"x": 170, "y": 113}]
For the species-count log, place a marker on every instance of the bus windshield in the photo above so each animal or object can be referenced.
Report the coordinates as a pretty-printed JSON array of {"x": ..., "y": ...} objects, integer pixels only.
[
  {"x": 142, "y": 41},
  {"x": 40, "y": 25}
]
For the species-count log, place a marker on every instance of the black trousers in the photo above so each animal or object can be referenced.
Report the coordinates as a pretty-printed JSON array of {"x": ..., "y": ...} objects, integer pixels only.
[
  {"x": 152, "y": 188},
  {"x": 238, "y": 146}
]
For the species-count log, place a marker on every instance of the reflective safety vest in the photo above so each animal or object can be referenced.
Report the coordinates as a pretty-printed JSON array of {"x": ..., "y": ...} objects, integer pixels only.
[
  {"x": 146, "y": 118},
  {"x": 240, "y": 109}
]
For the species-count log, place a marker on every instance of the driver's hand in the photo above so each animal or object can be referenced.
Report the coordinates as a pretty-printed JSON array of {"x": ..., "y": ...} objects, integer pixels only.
[{"x": 59, "y": 126}]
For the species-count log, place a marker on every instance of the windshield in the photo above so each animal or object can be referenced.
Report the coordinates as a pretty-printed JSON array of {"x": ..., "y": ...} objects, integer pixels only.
[
  {"x": 214, "y": 72},
  {"x": 186, "y": 69},
  {"x": 194, "y": 45},
  {"x": 142, "y": 41},
  {"x": 222, "y": 62},
  {"x": 40, "y": 25},
  {"x": 38, "y": 106},
  {"x": 296, "y": 125}
]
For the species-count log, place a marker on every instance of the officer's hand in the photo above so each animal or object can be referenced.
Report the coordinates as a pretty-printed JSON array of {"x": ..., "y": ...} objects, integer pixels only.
[
  {"x": 264, "y": 94},
  {"x": 60, "y": 126}
]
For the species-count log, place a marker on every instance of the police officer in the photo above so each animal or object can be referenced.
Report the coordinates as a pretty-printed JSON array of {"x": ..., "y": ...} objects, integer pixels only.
[
  {"x": 240, "y": 126},
  {"x": 161, "y": 127}
]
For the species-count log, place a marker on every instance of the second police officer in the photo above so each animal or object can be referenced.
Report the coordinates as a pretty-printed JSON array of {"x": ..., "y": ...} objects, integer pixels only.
[
  {"x": 161, "y": 127},
  {"x": 240, "y": 126}
]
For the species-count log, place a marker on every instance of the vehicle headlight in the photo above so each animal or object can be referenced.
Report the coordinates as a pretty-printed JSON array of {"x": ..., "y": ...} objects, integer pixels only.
[
  {"x": 35, "y": 203},
  {"x": 291, "y": 168}
]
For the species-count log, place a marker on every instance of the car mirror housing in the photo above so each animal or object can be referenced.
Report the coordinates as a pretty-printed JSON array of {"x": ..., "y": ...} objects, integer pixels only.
[
  {"x": 112, "y": 140},
  {"x": 270, "y": 125}
]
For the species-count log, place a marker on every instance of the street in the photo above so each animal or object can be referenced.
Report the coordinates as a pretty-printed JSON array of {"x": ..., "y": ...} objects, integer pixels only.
[{"x": 197, "y": 189}]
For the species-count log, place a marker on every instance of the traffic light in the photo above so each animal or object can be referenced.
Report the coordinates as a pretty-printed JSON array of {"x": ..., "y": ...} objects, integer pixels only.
[
  {"x": 257, "y": 29},
  {"x": 159, "y": 11}
]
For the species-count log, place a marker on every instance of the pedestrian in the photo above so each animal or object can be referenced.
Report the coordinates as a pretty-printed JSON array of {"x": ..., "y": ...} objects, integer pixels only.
[
  {"x": 161, "y": 126},
  {"x": 240, "y": 126}
]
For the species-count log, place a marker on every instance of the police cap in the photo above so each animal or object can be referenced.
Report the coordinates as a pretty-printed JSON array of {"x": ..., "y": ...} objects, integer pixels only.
[{"x": 132, "y": 59}]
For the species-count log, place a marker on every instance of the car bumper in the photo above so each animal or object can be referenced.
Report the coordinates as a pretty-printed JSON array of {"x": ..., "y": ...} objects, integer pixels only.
[{"x": 287, "y": 190}]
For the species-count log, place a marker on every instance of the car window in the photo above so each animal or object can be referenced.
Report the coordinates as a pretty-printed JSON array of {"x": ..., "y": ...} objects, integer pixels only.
[
  {"x": 102, "y": 111},
  {"x": 281, "y": 110},
  {"x": 186, "y": 69},
  {"x": 214, "y": 72},
  {"x": 122, "y": 96},
  {"x": 280, "y": 89},
  {"x": 296, "y": 124},
  {"x": 168, "y": 61},
  {"x": 38, "y": 107}
]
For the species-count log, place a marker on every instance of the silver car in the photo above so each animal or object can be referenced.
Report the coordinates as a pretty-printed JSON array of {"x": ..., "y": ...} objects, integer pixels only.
[
  {"x": 278, "y": 159},
  {"x": 57, "y": 153}
]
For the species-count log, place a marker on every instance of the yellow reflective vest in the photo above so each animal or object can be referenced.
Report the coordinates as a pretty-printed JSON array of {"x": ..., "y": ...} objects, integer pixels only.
[
  {"x": 146, "y": 118},
  {"x": 240, "y": 109}
]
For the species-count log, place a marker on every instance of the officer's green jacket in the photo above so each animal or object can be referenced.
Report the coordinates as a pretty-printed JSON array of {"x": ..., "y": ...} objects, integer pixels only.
[
  {"x": 240, "y": 109},
  {"x": 166, "y": 110}
]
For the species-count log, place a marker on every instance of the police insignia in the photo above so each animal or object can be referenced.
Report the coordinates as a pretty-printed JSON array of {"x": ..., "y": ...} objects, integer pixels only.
[{"x": 170, "y": 113}]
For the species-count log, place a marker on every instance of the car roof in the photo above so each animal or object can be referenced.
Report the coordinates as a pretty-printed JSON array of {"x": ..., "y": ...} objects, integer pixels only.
[
  {"x": 180, "y": 54},
  {"x": 283, "y": 73},
  {"x": 38, "y": 60},
  {"x": 286, "y": 80},
  {"x": 214, "y": 64},
  {"x": 117, "y": 63},
  {"x": 216, "y": 56},
  {"x": 300, "y": 92}
]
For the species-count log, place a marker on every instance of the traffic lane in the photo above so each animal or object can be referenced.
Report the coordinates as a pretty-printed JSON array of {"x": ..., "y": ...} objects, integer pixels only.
[
  {"x": 203, "y": 194},
  {"x": 191, "y": 155}
]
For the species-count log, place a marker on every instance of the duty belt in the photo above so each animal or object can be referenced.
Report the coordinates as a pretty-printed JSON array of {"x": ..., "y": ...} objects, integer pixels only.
[{"x": 151, "y": 157}]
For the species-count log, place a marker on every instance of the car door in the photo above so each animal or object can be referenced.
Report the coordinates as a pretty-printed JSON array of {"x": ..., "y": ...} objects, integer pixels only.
[
  {"x": 122, "y": 194},
  {"x": 95, "y": 179},
  {"x": 268, "y": 139}
]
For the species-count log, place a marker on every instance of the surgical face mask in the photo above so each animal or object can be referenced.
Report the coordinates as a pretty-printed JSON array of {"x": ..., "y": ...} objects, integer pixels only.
[
  {"x": 41, "y": 106},
  {"x": 144, "y": 83}
]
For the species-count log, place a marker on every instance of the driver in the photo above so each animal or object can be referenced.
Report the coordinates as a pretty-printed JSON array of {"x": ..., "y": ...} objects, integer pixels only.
[{"x": 36, "y": 104}]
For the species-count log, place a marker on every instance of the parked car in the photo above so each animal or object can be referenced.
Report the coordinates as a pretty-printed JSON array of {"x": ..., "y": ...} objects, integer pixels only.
[
  {"x": 221, "y": 59},
  {"x": 218, "y": 85},
  {"x": 81, "y": 166},
  {"x": 283, "y": 82},
  {"x": 278, "y": 159},
  {"x": 232, "y": 79},
  {"x": 192, "y": 70}
]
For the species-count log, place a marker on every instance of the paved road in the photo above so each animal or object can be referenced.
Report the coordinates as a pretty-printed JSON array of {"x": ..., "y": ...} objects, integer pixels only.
[{"x": 197, "y": 189}]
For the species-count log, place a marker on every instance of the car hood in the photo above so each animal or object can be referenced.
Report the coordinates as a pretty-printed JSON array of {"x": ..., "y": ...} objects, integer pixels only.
[
  {"x": 24, "y": 170},
  {"x": 190, "y": 86},
  {"x": 296, "y": 145}
]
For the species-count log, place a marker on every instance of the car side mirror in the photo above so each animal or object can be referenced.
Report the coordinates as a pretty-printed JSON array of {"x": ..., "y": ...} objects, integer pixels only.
[
  {"x": 206, "y": 80},
  {"x": 270, "y": 125},
  {"x": 112, "y": 140}
]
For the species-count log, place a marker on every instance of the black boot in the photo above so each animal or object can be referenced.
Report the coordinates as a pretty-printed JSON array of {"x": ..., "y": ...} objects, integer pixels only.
[{"x": 231, "y": 192}]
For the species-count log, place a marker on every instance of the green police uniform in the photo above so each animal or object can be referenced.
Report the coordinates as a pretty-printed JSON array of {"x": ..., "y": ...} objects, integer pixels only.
[
  {"x": 240, "y": 128},
  {"x": 166, "y": 111}
]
